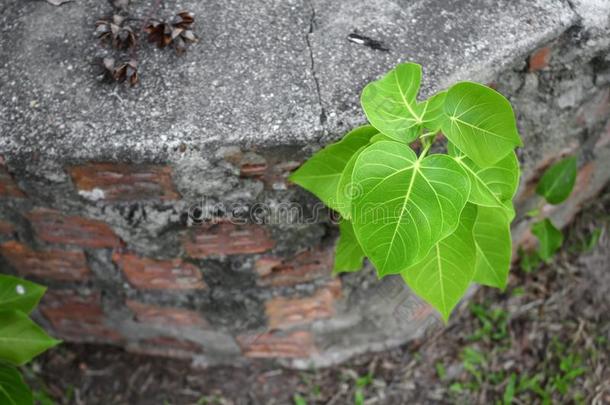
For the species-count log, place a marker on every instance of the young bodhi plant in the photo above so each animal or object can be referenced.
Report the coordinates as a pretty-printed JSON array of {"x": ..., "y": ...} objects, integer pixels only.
[{"x": 440, "y": 220}]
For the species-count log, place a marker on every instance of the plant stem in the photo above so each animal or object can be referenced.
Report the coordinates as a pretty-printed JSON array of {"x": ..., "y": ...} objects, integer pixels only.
[
  {"x": 424, "y": 152},
  {"x": 426, "y": 140},
  {"x": 539, "y": 207}
]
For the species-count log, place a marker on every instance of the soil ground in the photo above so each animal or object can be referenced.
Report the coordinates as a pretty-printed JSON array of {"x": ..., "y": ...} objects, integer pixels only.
[{"x": 543, "y": 340}]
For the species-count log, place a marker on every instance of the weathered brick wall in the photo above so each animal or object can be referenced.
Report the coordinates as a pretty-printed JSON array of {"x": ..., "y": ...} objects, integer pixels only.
[{"x": 141, "y": 252}]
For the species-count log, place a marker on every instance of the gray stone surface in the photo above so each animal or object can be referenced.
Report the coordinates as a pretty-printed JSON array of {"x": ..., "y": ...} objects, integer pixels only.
[{"x": 264, "y": 72}]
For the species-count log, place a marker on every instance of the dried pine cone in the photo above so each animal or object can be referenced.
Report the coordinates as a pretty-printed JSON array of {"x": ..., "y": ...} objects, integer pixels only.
[
  {"x": 120, "y": 35},
  {"x": 183, "y": 19},
  {"x": 159, "y": 32},
  {"x": 177, "y": 32},
  {"x": 128, "y": 71},
  {"x": 105, "y": 69}
]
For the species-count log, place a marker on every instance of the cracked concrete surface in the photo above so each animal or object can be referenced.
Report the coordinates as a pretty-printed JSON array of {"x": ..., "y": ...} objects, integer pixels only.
[{"x": 251, "y": 80}]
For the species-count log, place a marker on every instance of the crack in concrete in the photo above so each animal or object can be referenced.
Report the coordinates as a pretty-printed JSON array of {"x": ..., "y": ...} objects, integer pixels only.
[
  {"x": 313, "y": 63},
  {"x": 582, "y": 22},
  {"x": 576, "y": 13}
]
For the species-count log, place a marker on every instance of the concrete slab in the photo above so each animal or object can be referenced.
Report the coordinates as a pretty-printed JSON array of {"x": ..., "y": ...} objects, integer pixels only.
[{"x": 272, "y": 72}]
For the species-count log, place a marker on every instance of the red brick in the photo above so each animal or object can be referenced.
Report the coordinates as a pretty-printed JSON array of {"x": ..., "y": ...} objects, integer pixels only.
[
  {"x": 153, "y": 314},
  {"x": 272, "y": 171},
  {"x": 539, "y": 59},
  {"x": 58, "y": 265},
  {"x": 266, "y": 265},
  {"x": 283, "y": 313},
  {"x": 123, "y": 182},
  {"x": 227, "y": 239},
  {"x": 8, "y": 187},
  {"x": 77, "y": 317},
  {"x": 54, "y": 227},
  {"x": 298, "y": 344},
  {"x": 146, "y": 273},
  {"x": 304, "y": 267},
  {"x": 253, "y": 169},
  {"x": 250, "y": 164},
  {"x": 6, "y": 228},
  {"x": 166, "y": 346},
  {"x": 276, "y": 176}
]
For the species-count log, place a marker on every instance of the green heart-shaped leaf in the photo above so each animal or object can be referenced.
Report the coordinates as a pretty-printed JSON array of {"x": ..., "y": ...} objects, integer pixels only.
[
  {"x": 349, "y": 254},
  {"x": 21, "y": 339},
  {"x": 494, "y": 246},
  {"x": 549, "y": 237},
  {"x": 443, "y": 276},
  {"x": 391, "y": 106},
  {"x": 480, "y": 122},
  {"x": 405, "y": 205},
  {"x": 13, "y": 390},
  {"x": 558, "y": 181},
  {"x": 492, "y": 185},
  {"x": 18, "y": 294},
  {"x": 320, "y": 174}
]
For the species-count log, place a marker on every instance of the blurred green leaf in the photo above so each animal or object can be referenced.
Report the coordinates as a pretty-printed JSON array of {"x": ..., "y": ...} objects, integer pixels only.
[
  {"x": 549, "y": 237},
  {"x": 509, "y": 392},
  {"x": 13, "y": 391},
  {"x": 42, "y": 398},
  {"x": 440, "y": 370},
  {"x": 21, "y": 339},
  {"x": 558, "y": 181},
  {"x": 529, "y": 260},
  {"x": 18, "y": 294},
  {"x": 299, "y": 400},
  {"x": 593, "y": 240}
]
